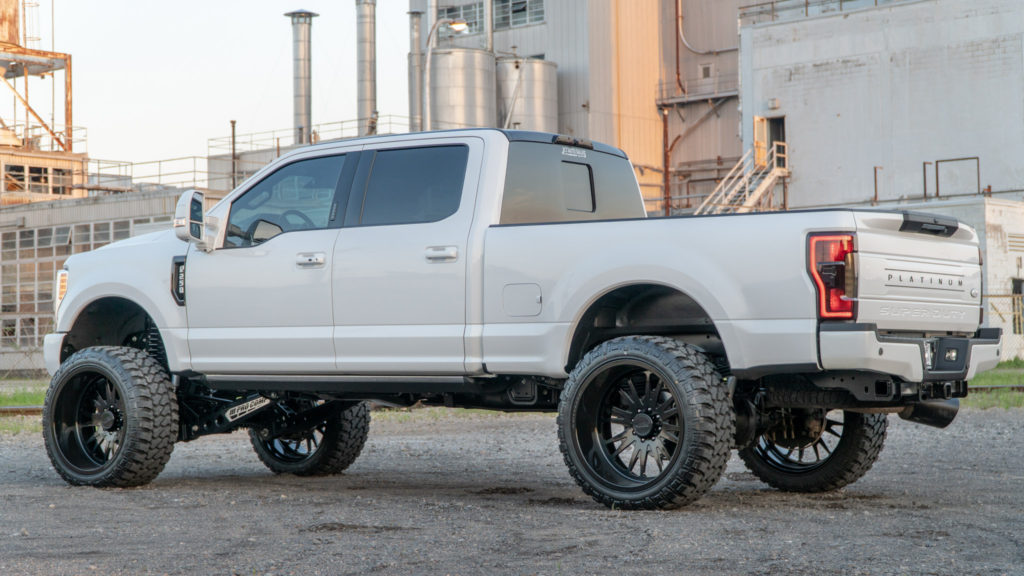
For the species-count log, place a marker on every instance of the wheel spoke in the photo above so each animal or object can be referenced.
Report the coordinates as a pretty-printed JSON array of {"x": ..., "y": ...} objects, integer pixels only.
[
  {"x": 643, "y": 462},
  {"x": 622, "y": 447},
  {"x": 617, "y": 437},
  {"x": 620, "y": 416},
  {"x": 828, "y": 451},
  {"x": 668, "y": 435},
  {"x": 634, "y": 457},
  {"x": 633, "y": 396}
]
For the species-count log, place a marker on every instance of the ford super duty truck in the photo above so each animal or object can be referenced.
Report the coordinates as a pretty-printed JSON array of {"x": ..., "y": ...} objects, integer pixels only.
[{"x": 512, "y": 271}]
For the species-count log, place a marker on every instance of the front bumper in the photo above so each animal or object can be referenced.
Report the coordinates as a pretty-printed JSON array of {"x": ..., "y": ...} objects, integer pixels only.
[
  {"x": 52, "y": 345},
  {"x": 942, "y": 359}
]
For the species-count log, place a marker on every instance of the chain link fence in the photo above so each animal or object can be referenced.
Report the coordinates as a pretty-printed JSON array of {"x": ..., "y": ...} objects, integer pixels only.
[{"x": 1007, "y": 312}]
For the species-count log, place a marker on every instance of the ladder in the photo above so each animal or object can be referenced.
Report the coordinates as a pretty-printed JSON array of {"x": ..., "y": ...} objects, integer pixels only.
[{"x": 749, "y": 185}]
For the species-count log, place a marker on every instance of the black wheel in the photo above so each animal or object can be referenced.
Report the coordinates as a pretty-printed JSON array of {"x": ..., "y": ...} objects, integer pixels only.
[
  {"x": 816, "y": 450},
  {"x": 110, "y": 418},
  {"x": 329, "y": 447},
  {"x": 645, "y": 422}
]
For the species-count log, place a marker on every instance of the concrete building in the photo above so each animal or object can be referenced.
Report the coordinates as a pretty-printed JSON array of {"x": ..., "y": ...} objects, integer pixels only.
[
  {"x": 931, "y": 92},
  {"x": 36, "y": 239}
]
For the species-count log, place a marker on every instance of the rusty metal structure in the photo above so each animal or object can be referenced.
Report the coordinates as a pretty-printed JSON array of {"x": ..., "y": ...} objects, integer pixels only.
[{"x": 37, "y": 157}]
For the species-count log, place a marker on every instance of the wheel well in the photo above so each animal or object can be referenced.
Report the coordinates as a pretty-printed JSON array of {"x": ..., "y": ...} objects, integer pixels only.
[
  {"x": 114, "y": 322},
  {"x": 645, "y": 309}
]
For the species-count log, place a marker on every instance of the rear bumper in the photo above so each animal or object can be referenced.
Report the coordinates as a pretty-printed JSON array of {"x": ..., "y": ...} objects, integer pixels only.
[{"x": 860, "y": 347}]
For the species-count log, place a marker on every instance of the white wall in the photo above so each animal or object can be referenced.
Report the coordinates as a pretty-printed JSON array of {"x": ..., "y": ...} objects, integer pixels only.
[{"x": 892, "y": 86}]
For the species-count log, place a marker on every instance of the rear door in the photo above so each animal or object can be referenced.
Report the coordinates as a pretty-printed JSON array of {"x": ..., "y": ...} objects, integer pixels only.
[{"x": 400, "y": 261}]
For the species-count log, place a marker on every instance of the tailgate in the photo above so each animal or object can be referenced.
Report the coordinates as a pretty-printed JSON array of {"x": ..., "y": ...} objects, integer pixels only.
[{"x": 917, "y": 273}]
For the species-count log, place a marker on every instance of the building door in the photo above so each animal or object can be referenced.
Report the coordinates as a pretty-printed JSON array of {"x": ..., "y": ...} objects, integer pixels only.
[{"x": 760, "y": 142}]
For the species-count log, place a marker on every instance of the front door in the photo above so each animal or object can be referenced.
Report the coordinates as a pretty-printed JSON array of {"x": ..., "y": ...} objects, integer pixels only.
[{"x": 262, "y": 302}]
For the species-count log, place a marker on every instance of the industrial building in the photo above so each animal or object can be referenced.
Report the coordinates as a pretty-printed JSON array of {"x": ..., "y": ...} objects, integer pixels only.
[{"x": 724, "y": 106}]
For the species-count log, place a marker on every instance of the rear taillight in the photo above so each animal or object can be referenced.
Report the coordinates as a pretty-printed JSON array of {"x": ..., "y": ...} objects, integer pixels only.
[{"x": 831, "y": 267}]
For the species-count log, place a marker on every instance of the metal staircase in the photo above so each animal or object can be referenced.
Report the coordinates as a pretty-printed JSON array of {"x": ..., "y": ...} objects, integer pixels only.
[{"x": 749, "y": 186}]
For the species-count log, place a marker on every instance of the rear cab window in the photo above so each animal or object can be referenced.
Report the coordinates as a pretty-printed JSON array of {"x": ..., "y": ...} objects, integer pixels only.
[{"x": 553, "y": 182}]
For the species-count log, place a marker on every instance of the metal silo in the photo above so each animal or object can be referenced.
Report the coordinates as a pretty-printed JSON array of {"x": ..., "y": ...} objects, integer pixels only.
[
  {"x": 462, "y": 89},
  {"x": 528, "y": 94}
]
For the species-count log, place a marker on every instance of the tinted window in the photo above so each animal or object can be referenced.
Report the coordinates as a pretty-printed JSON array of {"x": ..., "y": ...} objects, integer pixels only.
[
  {"x": 414, "y": 185},
  {"x": 555, "y": 183},
  {"x": 577, "y": 187},
  {"x": 298, "y": 196}
]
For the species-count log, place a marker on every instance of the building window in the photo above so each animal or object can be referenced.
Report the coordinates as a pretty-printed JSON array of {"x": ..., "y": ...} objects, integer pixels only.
[
  {"x": 473, "y": 14},
  {"x": 14, "y": 178},
  {"x": 515, "y": 13}
]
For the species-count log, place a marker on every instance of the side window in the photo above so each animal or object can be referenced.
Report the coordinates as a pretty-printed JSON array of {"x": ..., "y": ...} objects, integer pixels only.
[
  {"x": 299, "y": 196},
  {"x": 414, "y": 185},
  {"x": 577, "y": 187},
  {"x": 553, "y": 183}
]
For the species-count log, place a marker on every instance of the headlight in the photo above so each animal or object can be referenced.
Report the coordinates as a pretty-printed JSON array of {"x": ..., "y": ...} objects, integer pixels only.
[{"x": 60, "y": 288}]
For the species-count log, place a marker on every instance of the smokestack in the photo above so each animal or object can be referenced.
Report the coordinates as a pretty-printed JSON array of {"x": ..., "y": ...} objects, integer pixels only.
[
  {"x": 415, "y": 73},
  {"x": 366, "y": 55},
  {"x": 302, "y": 23}
]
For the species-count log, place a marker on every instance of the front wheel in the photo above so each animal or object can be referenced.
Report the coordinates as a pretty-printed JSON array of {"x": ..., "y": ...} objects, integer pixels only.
[
  {"x": 644, "y": 422},
  {"x": 110, "y": 418},
  {"x": 815, "y": 450},
  {"x": 328, "y": 447}
]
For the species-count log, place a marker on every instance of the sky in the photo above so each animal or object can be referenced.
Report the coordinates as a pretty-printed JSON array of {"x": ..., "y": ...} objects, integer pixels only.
[{"x": 155, "y": 80}]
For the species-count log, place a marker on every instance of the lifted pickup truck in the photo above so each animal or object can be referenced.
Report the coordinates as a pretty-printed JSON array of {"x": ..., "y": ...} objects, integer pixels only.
[{"x": 513, "y": 271}]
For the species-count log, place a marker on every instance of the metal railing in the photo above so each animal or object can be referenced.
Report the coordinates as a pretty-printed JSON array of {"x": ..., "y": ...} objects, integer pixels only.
[
  {"x": 35, "y": 137},
  {"x": 285, "y": 137},
  {"x": 699, "y": 88},
  {"x": 111, "y": 177},
  {"x": 775, "y": 10},
  {"x": 748, "y": 187}
]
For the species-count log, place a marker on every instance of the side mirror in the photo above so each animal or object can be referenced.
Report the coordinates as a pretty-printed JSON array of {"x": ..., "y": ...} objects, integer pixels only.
[{"x": 189, "y": 225}]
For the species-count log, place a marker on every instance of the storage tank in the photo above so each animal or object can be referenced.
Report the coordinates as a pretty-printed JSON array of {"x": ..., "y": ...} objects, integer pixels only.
[
  {"x": 527, "y": 94},
  {"x": 462, "y": 89}
]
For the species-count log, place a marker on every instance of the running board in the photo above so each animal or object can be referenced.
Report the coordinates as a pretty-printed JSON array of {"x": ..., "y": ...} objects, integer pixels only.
[{"x": 332, "y": 384}]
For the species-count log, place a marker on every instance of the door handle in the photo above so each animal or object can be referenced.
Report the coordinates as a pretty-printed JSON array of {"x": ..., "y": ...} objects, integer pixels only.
[
  {"x": 310, "y": 259},
  {"x": 436, "y": 254}
]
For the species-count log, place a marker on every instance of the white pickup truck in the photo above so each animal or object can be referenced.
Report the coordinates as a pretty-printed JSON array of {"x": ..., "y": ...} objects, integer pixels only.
[{"x": 513, "y": 271}]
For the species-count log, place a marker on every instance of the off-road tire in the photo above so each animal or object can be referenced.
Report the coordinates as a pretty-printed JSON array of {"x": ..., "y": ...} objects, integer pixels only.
[
  {"x": 861, "y": 441},
  {"x": 342, "y": 437},
  {"x": 705, "y": 422},
  {"x": 139, "y": 407}
]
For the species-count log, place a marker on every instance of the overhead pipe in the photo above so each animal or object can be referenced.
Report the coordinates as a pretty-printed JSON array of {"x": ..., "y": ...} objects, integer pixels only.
[
  {"x": 682, "y": 35},
  {"x": 366, "y": 57}
]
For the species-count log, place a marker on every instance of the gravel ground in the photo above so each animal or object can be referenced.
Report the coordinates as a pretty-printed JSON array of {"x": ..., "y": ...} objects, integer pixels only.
[{"x": 440, "y": 494}]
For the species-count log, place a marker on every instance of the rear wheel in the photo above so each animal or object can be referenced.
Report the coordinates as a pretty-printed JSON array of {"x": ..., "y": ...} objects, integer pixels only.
[
  {"x": 110, "y": 418},
  {"x": 644, "y": 422},
  {"x": 816, "y": 450},
  {"x": 328, "y": 447}
]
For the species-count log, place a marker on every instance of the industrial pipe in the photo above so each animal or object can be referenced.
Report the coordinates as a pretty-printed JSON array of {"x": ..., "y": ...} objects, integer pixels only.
[
  {"x": 366, "y": 57},
  {"x": 302, "y": 22},
  {"x": 682, "y": 35},
  {"x": 415, "y": 72}
]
